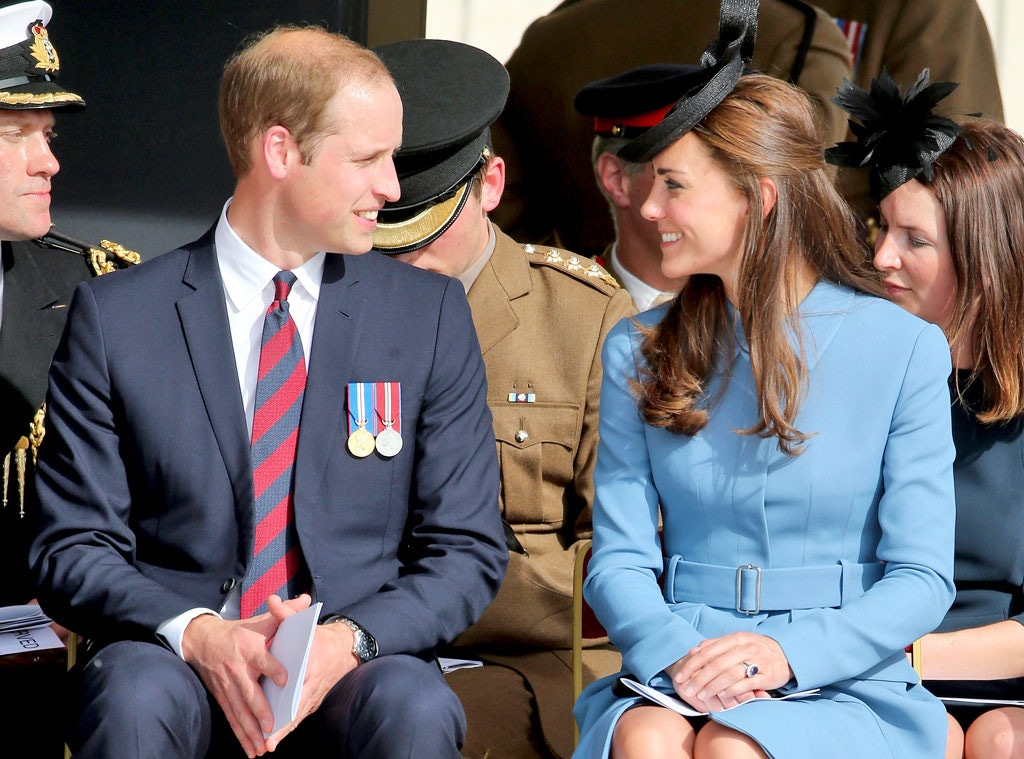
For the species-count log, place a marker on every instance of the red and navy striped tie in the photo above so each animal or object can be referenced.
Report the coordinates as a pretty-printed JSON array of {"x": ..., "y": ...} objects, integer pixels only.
[{"x": 277, "y": 560}]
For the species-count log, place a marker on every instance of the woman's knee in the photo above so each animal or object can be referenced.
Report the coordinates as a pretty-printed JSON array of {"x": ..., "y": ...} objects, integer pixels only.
[
  {"x": 715, "y": 741},
  {"x": 996, "y": 734},
  {"x": 650, "y": 732}
]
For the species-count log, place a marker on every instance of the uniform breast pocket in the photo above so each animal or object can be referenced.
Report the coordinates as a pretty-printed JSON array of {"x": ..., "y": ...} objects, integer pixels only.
[{"x": 536, "y": 446}]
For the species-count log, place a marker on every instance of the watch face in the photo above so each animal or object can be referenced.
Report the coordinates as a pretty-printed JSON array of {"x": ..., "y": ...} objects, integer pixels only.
[
  {"x": 363, "y": 644},
  {"x": 367, "y": 647}
]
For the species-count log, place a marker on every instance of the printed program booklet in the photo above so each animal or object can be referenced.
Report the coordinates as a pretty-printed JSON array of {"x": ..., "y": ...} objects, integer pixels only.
[{"x": 676, "y": 704}]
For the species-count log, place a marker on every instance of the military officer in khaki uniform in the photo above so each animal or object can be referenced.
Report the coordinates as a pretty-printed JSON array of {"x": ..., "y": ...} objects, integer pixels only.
[
  {"x": 551, "y": 192},
  {"x": 541, "y": 314},
  {"x": 905, "y": 36},
  {"x": 39, "y": 268}
]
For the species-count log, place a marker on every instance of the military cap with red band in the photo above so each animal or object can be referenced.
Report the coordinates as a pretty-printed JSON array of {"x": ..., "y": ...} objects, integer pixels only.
[{"x": 628, "y": 104}]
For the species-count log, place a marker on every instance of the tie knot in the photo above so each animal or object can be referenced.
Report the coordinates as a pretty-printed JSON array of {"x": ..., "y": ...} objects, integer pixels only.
[{"x": 283, "y": 282}]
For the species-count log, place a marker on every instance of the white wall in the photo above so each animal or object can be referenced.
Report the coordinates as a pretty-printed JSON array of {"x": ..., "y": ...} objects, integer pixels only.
[
  {"x": 492, "y": 25},
  {"x": 496, "y": 25},
  {"x": 1005, "y": 20}
]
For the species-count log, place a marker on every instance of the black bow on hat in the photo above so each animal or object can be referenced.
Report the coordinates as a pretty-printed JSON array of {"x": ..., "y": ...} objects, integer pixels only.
[{"x": 723, "y": 62}]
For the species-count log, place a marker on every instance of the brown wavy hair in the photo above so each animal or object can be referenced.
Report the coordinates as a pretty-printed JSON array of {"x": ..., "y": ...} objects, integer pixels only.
[
  {"x": 764, "y": 129},
  {"x": 979, "y": 182}
]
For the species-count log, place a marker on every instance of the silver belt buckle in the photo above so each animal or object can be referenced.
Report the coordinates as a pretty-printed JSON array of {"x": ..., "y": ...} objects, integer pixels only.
[{"x": 739, "y": 589}]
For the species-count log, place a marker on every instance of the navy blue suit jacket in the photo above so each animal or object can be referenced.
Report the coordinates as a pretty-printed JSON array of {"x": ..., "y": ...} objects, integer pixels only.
[{"x": 145, "y": 478}]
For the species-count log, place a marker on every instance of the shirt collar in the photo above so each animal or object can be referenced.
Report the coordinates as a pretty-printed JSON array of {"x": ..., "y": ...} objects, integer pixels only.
[
  {"x": 642, "y": 293},
  {"x": 468, "y": 277},
  {"x": 246, "y": 273}
]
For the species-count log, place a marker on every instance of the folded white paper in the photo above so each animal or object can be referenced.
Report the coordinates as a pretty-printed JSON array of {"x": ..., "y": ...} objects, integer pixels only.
[
  {"x": 290, "y": 646},
  {"x": 679, "y": 706},
  {"x": 28, "y": 640},
  {"x": 450, "y": 665},
  {"x": 957, "y": 701},
  {"x": 21, "y": 617}
]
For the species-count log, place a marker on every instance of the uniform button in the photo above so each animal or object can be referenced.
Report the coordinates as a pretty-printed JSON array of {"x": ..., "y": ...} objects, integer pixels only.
[
  {"x": 521, "y": 436},
  {"x": 228, "y": 586}
]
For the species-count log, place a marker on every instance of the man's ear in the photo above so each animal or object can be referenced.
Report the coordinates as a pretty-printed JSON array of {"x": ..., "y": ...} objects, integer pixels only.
[
  {"x": 278, "y": 150},
  {"x": 612, "y": 179},
  {"x": 769, "y": 195},
  {"x": 492, "y": 184}
]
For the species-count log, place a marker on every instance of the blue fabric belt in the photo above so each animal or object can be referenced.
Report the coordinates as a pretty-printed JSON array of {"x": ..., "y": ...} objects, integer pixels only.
[{"x": 751, "y": 590}]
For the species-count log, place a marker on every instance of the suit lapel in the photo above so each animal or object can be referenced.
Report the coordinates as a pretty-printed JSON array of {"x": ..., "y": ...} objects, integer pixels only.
[
  {"x": 205, "y": 326},
  {"x": 341, "y": 310}
]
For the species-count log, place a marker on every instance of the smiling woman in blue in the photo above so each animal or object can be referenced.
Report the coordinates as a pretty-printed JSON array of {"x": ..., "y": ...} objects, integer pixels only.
[{"x": 787, "y": 431}]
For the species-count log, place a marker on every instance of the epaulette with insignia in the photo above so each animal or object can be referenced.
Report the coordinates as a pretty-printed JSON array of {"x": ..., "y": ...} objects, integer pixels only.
[
  {"x": 108, "y": 257},
  {"x": 581, "y": 267}
]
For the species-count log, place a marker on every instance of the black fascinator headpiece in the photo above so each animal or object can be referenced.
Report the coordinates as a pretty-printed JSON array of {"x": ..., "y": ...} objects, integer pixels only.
[
  {"x": 722, "y": 63},
  {"x": 898, "y": 135}
]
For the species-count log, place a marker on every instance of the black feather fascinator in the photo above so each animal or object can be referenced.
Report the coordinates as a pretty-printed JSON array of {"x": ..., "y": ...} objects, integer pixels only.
[{"x": 898, "y": 135}]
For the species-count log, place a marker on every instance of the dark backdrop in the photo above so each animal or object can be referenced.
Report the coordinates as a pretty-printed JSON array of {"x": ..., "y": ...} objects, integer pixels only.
[{"x": 144, "y": 163}]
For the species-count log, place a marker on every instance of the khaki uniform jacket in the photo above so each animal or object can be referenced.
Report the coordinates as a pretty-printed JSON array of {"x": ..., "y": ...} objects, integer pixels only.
[
  {"x": 905, "y": 36},
  {"x": 551, "y": 193},
  {"x": 541, "y": 315}
]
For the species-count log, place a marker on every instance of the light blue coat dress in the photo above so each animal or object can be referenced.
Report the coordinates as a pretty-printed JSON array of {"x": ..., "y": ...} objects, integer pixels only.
[{"x": 853, "y": 539}]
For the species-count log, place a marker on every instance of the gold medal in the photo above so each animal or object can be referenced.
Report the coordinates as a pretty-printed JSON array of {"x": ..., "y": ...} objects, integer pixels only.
[{"x": 360, "y": 442}]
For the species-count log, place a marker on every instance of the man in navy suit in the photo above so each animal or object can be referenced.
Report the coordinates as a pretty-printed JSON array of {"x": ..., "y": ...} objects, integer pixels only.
[{"x": 145, "y": 477}]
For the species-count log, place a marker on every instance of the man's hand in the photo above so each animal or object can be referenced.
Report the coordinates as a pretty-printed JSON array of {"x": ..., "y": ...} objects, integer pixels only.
[
  {"x": 230, "y": 656},
  {"x": 330, "y": 659}
]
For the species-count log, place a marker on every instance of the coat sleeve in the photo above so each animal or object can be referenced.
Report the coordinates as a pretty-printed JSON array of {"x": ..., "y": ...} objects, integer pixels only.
[
  {"x": 84, "y": 549},
  {"x": 622, "y": 582},
  {"x": 920, "y": 37},
  {"x": 916, "y": 514}
]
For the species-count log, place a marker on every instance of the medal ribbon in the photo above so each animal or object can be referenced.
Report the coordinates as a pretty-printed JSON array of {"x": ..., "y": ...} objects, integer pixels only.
[
  {"x": 388, "y": 405},
  {"x": 360, "y": 397}
]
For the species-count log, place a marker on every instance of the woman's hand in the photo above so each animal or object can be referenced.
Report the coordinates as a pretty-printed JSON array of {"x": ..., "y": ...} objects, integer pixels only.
[{"x": 714, "y": 675}]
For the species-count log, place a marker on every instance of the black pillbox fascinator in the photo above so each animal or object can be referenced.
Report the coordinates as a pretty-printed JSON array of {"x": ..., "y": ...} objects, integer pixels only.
[{"x": 722, "y": 65}]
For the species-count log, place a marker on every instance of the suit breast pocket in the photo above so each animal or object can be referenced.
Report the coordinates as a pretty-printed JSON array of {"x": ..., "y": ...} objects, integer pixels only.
[{"x": 537, "y": 443}]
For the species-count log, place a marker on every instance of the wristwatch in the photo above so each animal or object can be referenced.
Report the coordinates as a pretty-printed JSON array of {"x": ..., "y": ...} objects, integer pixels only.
[{"x": 364, "y": 645}]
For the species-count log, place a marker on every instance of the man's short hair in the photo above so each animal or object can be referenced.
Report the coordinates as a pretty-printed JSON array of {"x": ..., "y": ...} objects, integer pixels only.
[{"x": 286, "y": 77}]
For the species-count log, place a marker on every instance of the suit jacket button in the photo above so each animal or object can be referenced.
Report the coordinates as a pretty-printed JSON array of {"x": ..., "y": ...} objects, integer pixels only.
[{"x": 228, "y": 585}]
